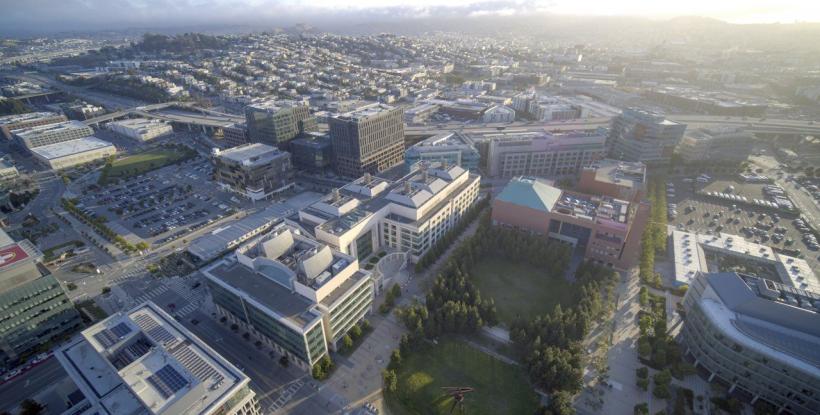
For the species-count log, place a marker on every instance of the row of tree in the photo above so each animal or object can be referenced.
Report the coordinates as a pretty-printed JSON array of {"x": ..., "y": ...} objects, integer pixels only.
[
  {"x": 441, "y": 246},
  {"x": 98, "y": 224},
  {"x": 653, "y": 239},
  {"x": 551, "y": 344}
]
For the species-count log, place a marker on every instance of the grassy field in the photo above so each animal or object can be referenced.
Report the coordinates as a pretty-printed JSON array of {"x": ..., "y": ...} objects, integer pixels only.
[
  {"x": 499, "y": 388},
  {"x": 520, "y": 289},
  {"x": 140, "y": 163}
]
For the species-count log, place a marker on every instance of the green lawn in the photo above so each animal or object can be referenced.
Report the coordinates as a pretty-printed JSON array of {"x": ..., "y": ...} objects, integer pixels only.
[
  {"x": 143, "y": 162},
  {"x": 499, "y": 388},
  {"x": 520, "y": 289}
]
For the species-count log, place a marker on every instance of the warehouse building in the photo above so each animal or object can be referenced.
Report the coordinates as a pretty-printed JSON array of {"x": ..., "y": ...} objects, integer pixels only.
[{"x": 67, "y": 154}]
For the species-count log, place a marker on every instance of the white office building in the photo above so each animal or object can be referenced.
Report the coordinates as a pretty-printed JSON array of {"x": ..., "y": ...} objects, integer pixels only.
[
  {"x": 408, "y": 215},
  {"x": 543, "y": 154},
  {"x": 73, "y": 153},
  {"x": 143, "y": 361},
  {"x": 141, "y": 129}
]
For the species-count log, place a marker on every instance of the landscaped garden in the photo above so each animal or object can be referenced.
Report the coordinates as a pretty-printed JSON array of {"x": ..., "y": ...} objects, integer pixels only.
[
  {"x": 519, "y": 289},
  {"x": 499, "y": 388}
]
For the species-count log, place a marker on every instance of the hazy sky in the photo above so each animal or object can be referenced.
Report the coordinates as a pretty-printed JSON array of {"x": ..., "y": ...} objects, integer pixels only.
[{"x": 51, "y": 15}]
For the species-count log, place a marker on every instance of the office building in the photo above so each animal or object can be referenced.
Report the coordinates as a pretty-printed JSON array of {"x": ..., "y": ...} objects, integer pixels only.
[
  {"x": 408, "y": 215},
  {"x": 452, "y": 148},
  {"x": 728, "y": 144},
  {"x": 553, "y": 109},
  {"x": 34, "y": 309},
  {"x": 313, "y": 153},
  {"x": 543, "y": 154},
  {"x": 498, "y": 113},
  {"x": 235, "y": 134},
  {"x": 275, "y": 122},
  {"x": 292, "y": 292},
  {"x": 367, "y": 140},
  {"x": 43, "y": 135},
  {"x": 229, "y": 236},
  {"x": 141, "y": 129},
  {"x": 690, "y": 252},
  {"x": 420, "y": 114},
  {"x": 10, "y": 123},
  {"x": 638, "y": 135},
  {"x": 606, "y": 229},
  {"x": 67, "y": 154},
  {"x": 256, "y": 171},
  {"x": 143, "y": 361},
  {"x": 614, "y": 178},
  {"x": 758, "y": 338}
]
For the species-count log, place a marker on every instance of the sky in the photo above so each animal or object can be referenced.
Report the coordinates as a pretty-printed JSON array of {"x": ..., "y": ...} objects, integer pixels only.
[{"x": 52, "y": 15}]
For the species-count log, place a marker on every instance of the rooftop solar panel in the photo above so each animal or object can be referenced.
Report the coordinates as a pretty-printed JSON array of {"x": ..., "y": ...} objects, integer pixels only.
[{"x": 167, "y": 381}]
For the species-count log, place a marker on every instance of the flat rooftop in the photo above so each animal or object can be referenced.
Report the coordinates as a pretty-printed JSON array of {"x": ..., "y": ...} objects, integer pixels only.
[
  {"x": 49, "y": 128},
  {"x": 144, "y": 361},
  {"x": 622, "y": 173},
  {"x": 274, "y": 105},
  {"x": 251, "y": 154},
  {"x": 29, "y": 116},
  {"x": 140, "y": 123},
  {"x": 450, "y": 139},
  {"x": 219, "y": 240},
  {"x": 71, "y": 147},
  {"x": 365, "y": 112},
  {"x": 597, "y": 208},
  {"x": 266, "y": 292}
]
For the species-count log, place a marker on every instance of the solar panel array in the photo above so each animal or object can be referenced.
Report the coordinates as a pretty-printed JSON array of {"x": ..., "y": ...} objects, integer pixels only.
[
  {"x": 167, "y": 381},
  {"x": 121, "y": 329},
  {"x": 156, "y": 332},
  {"x": 109, "y": 337},
  {"x": 201, "y": 369}
]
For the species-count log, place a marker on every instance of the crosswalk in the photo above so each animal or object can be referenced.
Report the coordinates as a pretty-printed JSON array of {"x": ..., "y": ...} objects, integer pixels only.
[
  {"x": 128, "y": 275},
  {"x": 194, "y": 297},
  {"x": 154, "y": 292},
  {"x": 286, "y": 395}
]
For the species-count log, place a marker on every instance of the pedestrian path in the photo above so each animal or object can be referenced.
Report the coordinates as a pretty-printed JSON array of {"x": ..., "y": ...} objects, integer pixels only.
[
  {"x": 193, "y": 297},
  {"x": 286, "y": 395},
  {"x": 152, "y": 293}
]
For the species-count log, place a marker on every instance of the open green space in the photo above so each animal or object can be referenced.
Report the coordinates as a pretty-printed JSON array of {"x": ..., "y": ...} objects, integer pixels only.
[
  {"x": 499, "y": 388},
  {"x": 520, "y": 289},
  {"x": 143, "y": 162},
  {"x": 51, "y": 253}
]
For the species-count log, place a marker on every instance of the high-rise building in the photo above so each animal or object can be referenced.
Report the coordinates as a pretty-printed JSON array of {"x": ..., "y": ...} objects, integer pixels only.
[
  {"x": 275, "y": 122},
  {"x": 294, "y": 293},
  {"x": 34, "y": 308},
  {"x": 408, "y": 215},
  {"x": 367, "y": 140},
  {"x": 43, "y": 135},
  {"x": 10, "y": 123},
  {"x": 256, "y": 171},
  {"x": 759, "y": 338},
  {"x": 235, "y": 134},
  {"x": 639, "y": 135},
  {"x": 142, "y": 361},
  {"x": 314, "y": 152},
  {"x": 729, "y": 144},
  {"x": 543, "y": 154},
  {"x": 452, "y": 148},
  {"x": 606, "y": 229}
]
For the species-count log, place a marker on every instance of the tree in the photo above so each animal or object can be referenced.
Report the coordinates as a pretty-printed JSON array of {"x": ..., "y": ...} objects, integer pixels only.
[
  {"x": 641, "y": 409},
  {"x": 317, "y": 372},
  {"x": 391, "y": 381},
  {"x": 561, "y": 403},
  {"x": 662, "y": 380},
  {"x": 347, "y": 342},
  {"x": 395, "y": 290},
  {"x": 395, "y": 359},
  {"x": 31, "y": 407},
  {"x": 356, "y": 331}
]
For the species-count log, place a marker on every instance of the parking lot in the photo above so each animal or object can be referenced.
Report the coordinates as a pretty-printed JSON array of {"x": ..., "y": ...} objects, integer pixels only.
[
  {"x": 163, "y": 205},
  {"x": 782, "y": 230}
]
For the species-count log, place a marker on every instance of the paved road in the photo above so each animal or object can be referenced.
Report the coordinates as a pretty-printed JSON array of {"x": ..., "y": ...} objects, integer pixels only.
[{"x": 29, "y": 383}]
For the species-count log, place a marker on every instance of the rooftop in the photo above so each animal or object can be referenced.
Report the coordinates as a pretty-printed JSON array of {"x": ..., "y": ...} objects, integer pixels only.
[
  {"x": 49, "y": 128},
  {"x": 532, "y": 192},
  {"x": 225, "y": 237},
  {"x": 450, "y": 139},
  {"x": 597, "y": 208},
  {"x": 622, "y": 173},
  {"x": 273, "y": 106},
  {"x": 252, "y": 154},
  {"x": 365, "y": 112},
  {"x": 143, "y": 361},
  {"x": 140, "y": 123},
  {"x": 71, "y": 147},
  {"x": 17, "y": 118}
]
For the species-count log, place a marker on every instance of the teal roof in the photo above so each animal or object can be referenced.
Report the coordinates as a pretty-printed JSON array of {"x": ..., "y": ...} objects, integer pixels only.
[{"x": 531, "y": 192}]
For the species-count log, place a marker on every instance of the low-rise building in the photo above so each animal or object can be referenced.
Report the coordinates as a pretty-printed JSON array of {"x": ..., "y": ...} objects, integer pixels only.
[
  {"x": 543, "y": 154},
  {"x": 143, "y": 361},
  {"x": 728, "y": 144},
  {"x": 606, "y": 229},
  {"x": 294, "y": 293},
  {"x": 10, "y": 123},
  {"x": 7, "y": 170},
  {"x": 54, "y": 133},
  {"x": 34, "y": 308},
  {"x": 614, "y": 178},
  {"x": 451, "y": 147},
  {"x": 66, "y": 154},
  {"x": 256, "y": 171},
  {"x": 408, "y": 215},
  {"x": 420, "y": 113},
  {"x": 498, "y": 113},
  {"x": 758, "y": 338},
  {"x": 141, "y": 129}
]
